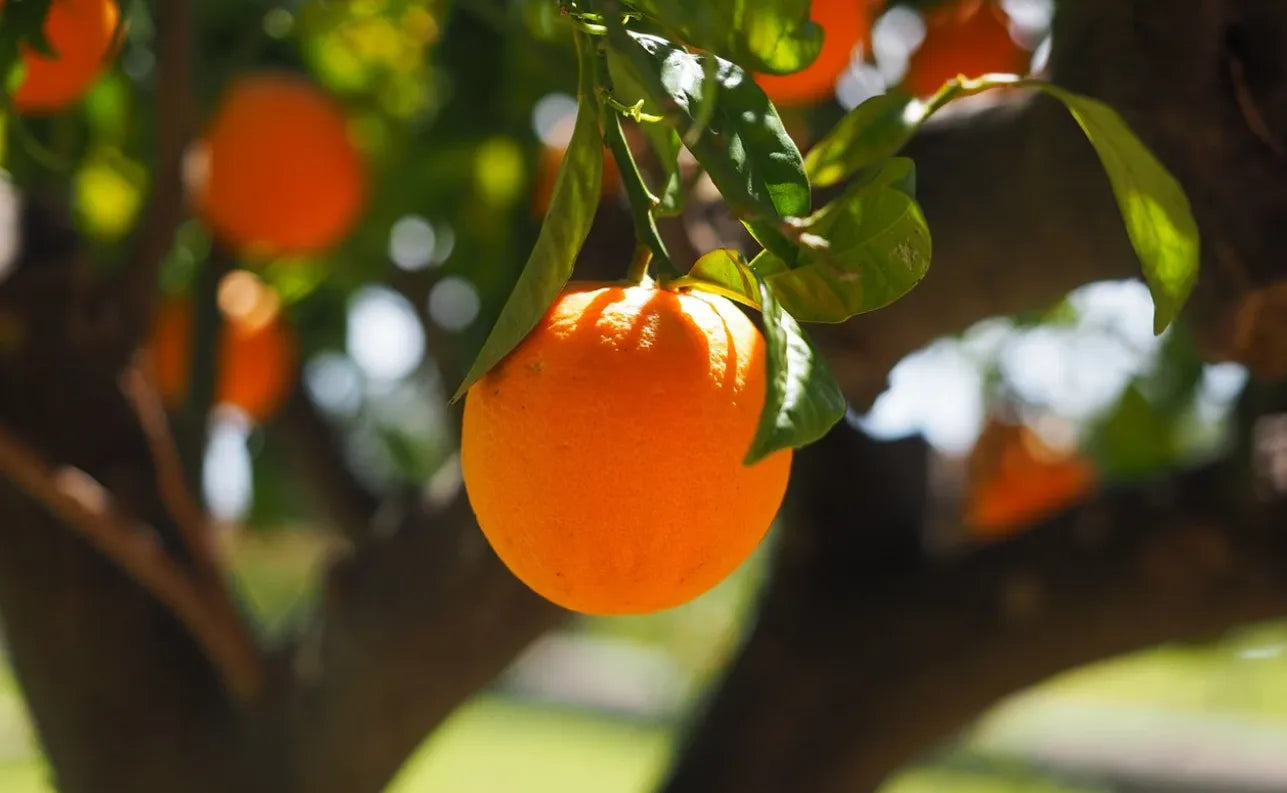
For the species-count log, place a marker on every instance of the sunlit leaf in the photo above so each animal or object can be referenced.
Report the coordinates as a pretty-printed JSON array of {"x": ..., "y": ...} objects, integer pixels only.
[
  {"x": 772, "y": 36},
  {"x": 572, "y": 207},
  {"x": 803, "y": 400},
  {"x": 1159, "y": 220},
  {"x": 878, "y": 248},
  {"x": 871, "y": 132},
  {"x": 742, "y": 144},
  {"x": 723, "y": 272}
]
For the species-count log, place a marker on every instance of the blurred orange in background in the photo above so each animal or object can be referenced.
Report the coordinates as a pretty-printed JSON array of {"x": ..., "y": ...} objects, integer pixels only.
[
  {"x": 845, "y": 24},
  {"x": 82, "y": 35},
  {"x": 277, "y": 172},
  {"x": 1015, "y": 479},
  {"x": 257, "y": 353},
  {"x": 969, "y": 37},
  {"x": 547, "y": 173}
]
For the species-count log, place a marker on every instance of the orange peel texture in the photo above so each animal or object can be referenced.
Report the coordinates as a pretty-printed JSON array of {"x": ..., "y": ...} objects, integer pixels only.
[{"x": 603, "y": 456}]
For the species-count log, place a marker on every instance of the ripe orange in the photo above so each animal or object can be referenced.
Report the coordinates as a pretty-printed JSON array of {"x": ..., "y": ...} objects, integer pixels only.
[
  {"x": 82, "y": 36},
  {"x": 257, "y": 350},
  {"x": 603, "y": 457},
  {"x": 969, "y": 37},
  {"x": 845, "y": 24},
  {"x": 278, "y": 173},
  {"x": 1016, "y": 480}
]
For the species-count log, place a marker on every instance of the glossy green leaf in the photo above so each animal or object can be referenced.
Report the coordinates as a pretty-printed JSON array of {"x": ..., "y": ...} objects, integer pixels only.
[
  {"x": 572, "y": 208},
  {"x": 723, "y": 272},
  {"x": 1159, "y": 220},
  {"x": 873, "y": 131},
  {"x": 743, "y": 145},
  {"x": 1156, "y": 212},
  {"x": 878, "y": 248},
  {"x": 803, "y": 399},
  {"x": 773, "y": 36}
]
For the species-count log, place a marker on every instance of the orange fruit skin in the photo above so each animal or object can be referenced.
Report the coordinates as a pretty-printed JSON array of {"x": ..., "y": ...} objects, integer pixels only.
[
  {"x": 82, "y": 35},
  {"x": 603, "y": 456},
  {"x": 282, "y": 175},
  {"x": 845, "y": 24},
  {"x": 970, "y": 37},
  {"x": 257, "y": 361}
]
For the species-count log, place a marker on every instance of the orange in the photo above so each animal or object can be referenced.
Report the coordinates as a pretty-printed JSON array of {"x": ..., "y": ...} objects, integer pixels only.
[
  {"x": 969, "y": 37},
  {"x": 603, "y": 456},
  {"x": 278, "y": 173},
  {"x": 82, "y": 35},
  {"x": 257, "y": 350},
  {"x": 1018, "y": 480},
  {"x": 845, "y": 25}
]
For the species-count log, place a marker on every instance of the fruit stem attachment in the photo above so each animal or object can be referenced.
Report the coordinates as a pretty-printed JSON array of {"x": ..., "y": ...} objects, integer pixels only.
[
  {"x": 639, "y": 264},
  {"x": 642, "y": 201}
]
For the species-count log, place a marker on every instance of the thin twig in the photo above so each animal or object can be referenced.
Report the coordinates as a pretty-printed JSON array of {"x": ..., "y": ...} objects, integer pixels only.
[
  {"x": 642, "y": 202},
  {"x": 193, "y": 524},
  {"x": 173, "y": 118},
  {"x": 86, "y": 507}
]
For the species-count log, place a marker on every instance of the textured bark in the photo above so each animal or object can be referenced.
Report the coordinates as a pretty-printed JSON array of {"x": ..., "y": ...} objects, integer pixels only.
[
  {"x": 861, "y": 661},
  {"x": 864, "y": 659},
  {"x": 1020, "y": 207}
]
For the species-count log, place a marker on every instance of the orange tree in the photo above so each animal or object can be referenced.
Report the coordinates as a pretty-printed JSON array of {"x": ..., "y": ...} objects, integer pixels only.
[{"x": 394, "y": 164}]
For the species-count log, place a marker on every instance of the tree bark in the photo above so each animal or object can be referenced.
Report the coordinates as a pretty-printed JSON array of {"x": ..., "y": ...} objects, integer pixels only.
[{"x": 863, "y": 660}]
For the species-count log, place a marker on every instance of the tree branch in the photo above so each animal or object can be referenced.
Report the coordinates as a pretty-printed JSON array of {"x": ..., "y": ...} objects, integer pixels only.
[
  {"x": 860, "y": 663},
  {"x": 174, "y": 121},
  {"x": 1020, "y": 208},
  {"x": 411, "y": 625},
  {"x": 87, "y": 508},
  {"x": 317, "y": 454},
  {"x": 189, "y": 517}
]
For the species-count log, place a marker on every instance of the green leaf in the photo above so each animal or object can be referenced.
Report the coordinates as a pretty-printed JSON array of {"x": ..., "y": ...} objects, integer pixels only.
[
  {"x": 743, "y": 145},
  {"x": 1159, "y": 220},
  {"x": 803, "y": 399},
  {"x": 1134, "y": 439},
  {"x": 873, "y": 131},
  {"x": 723, "y": 272},
  {"x": 1156, "y": 212},
  {"x": 774, "y": 36},
  {"x": 22, "y": 23},
  {"x": 572, "y": 208},
  {"x": 667, "y": 145},
  {"x": 878, "y": 248}
]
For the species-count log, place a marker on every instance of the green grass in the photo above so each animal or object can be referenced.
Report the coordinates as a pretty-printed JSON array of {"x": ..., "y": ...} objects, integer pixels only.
[
  {"x": 494, "y": 746},
  {"x": 25, "y": 776},
  {"x": 936, "y": 780}
]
